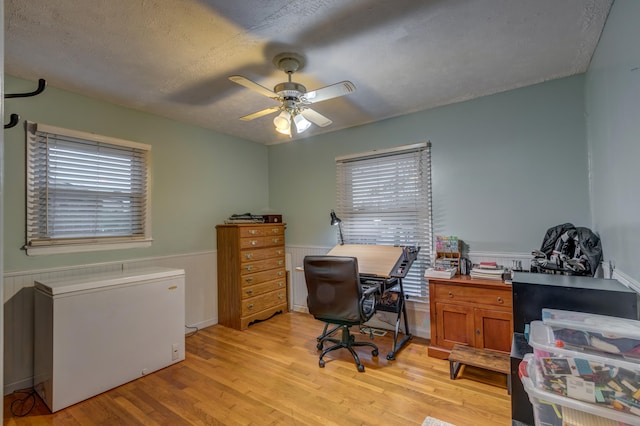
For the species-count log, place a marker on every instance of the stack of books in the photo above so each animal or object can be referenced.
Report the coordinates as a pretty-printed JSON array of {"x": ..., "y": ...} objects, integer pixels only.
[{"x": 487, "y": 271}]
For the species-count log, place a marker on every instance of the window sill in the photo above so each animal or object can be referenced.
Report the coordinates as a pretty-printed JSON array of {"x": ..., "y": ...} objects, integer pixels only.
[{"x": 81, "y": 248}]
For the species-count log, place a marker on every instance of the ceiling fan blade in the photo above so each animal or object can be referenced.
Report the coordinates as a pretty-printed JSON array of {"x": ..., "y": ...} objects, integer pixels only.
[
  {"x": 253, "y": 86},
  {"x": 315, "y": 117},
  {"x": 260, "y": 113},
  {"x": 329, "y": 92}
]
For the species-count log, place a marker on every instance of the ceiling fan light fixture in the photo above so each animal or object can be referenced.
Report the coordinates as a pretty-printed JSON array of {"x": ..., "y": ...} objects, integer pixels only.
[
  {"x": 286, "y": 131},
  {"x": 301, "y": 123},
  {"x": 293, "y": 97},
  {"x": 283, "y": 122}
]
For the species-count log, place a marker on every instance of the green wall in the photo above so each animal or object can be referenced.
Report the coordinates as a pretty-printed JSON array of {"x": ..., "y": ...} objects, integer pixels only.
[
  {"x": 194, "y": 178},
  {"x": 613, "y": 123},
  {"x": 506, "y": 167}
]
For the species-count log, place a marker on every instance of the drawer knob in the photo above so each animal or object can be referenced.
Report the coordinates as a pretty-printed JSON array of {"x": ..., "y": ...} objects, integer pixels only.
[
  {"x": 250, "y": 306},
  {"x": 280, "y": 296},
  {"x": 248, "y": 268},
  {"x": 248, "y": 255},
  {"x": 280, "y": 274},
  {"x": 249, "y": 292},
  {"x": 280, "y": 284},
  {"x": 253, "y": 231},
  {"x": 275, "y": 230},
  {"x": 500, "y": 300},
  {"x": 478, "y": 332},
  {"x": 280, "y": 262},
  {"x": 254, "y": 242},
  {"x": 279, "y": 252},
  {"x": 249, "y": 279},
  {"x": 276, "y": 240},
  {"x": 450, "y": 294}
]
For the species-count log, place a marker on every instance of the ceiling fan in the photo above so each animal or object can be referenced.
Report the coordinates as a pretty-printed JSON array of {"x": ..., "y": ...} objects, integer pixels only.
[{"x": 293, "y": 97}]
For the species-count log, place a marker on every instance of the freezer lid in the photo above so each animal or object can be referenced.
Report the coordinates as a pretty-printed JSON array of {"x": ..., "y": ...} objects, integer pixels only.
[{"x": 59, "y": 286}]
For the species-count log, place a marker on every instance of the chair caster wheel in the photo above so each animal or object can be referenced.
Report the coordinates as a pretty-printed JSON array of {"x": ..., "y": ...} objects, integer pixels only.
[
  {"x": 361, "y": 368},
  {"x": 374, "y": 352},
  {"x": 321, "y": 363},
  {"x": 319, "y": 346}
]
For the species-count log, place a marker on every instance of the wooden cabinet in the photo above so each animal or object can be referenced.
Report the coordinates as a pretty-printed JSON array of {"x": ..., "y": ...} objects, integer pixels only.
[
  {"x": 472, "y": 312},
  {"x": 252, "y": 280}
]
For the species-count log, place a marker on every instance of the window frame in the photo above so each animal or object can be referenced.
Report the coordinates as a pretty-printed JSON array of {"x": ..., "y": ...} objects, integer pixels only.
[
  {"x": 38, "y": 245},
  {"x": 418, "y": 221}
]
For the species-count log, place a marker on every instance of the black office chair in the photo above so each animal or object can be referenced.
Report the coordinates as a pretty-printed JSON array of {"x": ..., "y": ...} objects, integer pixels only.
[{"x": 335, "y": 297}]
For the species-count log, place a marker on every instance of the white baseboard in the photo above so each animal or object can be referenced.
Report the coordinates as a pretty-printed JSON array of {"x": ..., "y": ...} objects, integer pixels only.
[
  {"x": 26, "y": 383},
  {"x": 200, "y": 325},
  {"x": 302, "y": 309}
]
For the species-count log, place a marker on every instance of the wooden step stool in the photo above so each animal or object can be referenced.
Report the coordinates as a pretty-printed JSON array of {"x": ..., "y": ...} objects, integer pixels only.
[{"x": 482, "y": 358}]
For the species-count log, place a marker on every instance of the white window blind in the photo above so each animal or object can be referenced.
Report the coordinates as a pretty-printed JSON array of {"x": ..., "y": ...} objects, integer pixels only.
[
  {"x": 384, "y": 198},
  {"x": 85, "y": 190}
]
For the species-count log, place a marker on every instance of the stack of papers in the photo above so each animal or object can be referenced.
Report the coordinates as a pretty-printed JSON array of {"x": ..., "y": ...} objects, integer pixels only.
[
  {"x": 487, "y": 271},
  {"x": 440, "y": 272}
]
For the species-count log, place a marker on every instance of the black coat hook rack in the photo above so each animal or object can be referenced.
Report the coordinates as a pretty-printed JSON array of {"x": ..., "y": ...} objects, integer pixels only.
[{"x": 15, "y": 118}]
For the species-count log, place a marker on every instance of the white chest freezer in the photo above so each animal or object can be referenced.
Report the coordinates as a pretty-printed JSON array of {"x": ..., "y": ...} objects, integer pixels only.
[{"x": 96, "y": 332}]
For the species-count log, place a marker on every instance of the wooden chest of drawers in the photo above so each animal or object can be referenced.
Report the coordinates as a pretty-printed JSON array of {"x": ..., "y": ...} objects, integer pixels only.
[{"x": 252, "y": 280}]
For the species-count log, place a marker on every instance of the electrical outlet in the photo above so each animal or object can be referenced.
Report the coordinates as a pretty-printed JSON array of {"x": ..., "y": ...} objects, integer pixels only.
[{"x": 174, "y": 352}]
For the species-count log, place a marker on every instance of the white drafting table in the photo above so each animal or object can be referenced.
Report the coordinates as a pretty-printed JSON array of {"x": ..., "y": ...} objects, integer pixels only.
[{"x": 382, "y": 262}]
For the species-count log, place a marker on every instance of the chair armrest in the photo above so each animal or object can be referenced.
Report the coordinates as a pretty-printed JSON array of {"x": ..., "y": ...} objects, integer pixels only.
[
  {"x": 371, "y": 290},
  {"x": 372, "y": 295}
]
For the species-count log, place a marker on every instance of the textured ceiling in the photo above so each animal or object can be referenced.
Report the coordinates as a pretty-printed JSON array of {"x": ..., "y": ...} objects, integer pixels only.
[{"x": 173, "y": 57}]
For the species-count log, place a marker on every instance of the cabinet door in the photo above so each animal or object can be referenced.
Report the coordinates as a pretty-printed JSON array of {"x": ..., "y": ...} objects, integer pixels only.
[
  {"x": 455, "y": 324},
  {"x": 493, "y": 329}
]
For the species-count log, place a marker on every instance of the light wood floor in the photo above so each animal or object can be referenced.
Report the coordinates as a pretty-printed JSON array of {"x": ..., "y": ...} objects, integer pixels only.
[{"x": 269, "y": 375}]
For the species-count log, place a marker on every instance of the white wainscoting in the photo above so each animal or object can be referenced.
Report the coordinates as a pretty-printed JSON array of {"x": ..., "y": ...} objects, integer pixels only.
[
  {"x": 298, "y": 290},
  {"x": 626, "y": 280},
  {"x": 201, "y": 304},
  {"x": 201, "y": 299},
  {"x": 418, "y": 313}
]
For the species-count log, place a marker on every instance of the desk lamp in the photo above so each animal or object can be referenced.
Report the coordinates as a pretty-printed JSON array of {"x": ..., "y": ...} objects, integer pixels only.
[{"x": 335, "y": 220}]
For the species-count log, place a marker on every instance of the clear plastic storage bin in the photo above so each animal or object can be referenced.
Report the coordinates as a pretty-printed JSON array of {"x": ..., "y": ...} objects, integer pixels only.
[
  {"x": 551, "y": 409},
  {"x": 608, "y": 382},
  {"x": 595, "y": 333}
]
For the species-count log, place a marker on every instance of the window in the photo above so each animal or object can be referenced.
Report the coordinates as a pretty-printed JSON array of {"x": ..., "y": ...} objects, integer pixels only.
[
  {"x": 384, "y": 197},
  {"x": 85, "y": 192}
]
